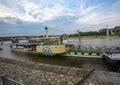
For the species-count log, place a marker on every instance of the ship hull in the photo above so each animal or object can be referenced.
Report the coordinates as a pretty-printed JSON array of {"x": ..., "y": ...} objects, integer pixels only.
[{"x": 110, "y": 60}]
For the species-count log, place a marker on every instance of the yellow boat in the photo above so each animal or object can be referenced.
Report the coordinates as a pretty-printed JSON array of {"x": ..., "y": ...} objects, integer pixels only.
[{"x": 44, "y": 46}]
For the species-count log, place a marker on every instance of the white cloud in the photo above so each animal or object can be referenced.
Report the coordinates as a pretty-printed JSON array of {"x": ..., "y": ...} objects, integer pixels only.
[
  {"x": 85, "y": 11},
  {"x": 56, "y": 11},
  {"x": 89, "y": 16},
  {"x": 34, "y": 12},
  {"x": 91, "y": 19},
  {"x": 7, "y": 12},
  {"x": 50, "y": 13},
  {"x": 95, "y": 18}
]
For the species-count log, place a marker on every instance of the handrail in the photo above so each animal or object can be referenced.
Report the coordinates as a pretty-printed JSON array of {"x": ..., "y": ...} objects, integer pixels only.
[{"x": 7, "y": 81}]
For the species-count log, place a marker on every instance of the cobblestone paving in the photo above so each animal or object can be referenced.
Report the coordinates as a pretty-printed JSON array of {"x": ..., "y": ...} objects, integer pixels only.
[
  {"x": 36, "y": 77},
  {"x": 31, "y": 73}
]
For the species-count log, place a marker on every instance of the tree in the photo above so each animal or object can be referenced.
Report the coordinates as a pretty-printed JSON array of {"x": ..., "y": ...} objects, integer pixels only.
[
  {"x": 116, "y": 30},
  {"x": 102, "y": 31}
]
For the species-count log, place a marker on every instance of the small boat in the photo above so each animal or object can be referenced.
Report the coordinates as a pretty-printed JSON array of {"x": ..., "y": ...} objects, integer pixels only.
[{"x": 112, "y": 57}]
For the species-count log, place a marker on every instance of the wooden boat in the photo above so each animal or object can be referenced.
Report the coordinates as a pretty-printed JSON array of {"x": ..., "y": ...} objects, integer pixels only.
[{"x": 112, "y": 57}]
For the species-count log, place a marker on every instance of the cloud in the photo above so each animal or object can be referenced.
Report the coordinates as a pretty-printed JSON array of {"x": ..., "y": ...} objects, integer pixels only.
[
  {"x": 88, "y": 14},
  {"x": 34, "y": 12},
  {"x": 47, "y": 13},
  {"x": 91, "y": 15},
  {"x": 95, "y": 18},
  {"x": 116, "y": 4},
  {"x": 58, "y": 15},
  {"x": 88, "y": 10},
  {"x": 8, "y": 12}
]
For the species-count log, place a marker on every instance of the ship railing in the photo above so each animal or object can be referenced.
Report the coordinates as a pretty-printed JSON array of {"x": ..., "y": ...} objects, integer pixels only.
[
  {"x": 4, "y": 80},
  {"x": 98, "y": 48}
]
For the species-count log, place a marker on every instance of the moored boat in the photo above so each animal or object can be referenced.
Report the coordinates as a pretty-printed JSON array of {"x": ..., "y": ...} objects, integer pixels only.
[
  {"x": 44, "y": 46},
  {"x": 112, "y": 57},
  {"x": 51, "y": 46}
]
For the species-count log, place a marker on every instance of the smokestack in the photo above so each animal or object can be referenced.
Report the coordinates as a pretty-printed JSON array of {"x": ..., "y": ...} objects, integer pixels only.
[{"x": 46, "y": 32}]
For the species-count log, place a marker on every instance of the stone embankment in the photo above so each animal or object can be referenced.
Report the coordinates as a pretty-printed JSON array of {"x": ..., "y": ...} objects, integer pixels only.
[{"x": 31, "y": 73}]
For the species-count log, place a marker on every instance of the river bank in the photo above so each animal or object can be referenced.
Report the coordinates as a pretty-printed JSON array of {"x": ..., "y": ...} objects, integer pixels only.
[
  {"x": 94, "y": 37},
  {"x": 32, "y": 73}
]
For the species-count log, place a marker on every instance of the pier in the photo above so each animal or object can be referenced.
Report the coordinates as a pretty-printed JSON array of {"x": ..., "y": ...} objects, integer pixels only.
[{"x": 31, "y": 73}]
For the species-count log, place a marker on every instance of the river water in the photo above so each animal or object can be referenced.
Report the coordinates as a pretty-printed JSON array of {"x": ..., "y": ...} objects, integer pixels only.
[{"x": 85, "y": 63}]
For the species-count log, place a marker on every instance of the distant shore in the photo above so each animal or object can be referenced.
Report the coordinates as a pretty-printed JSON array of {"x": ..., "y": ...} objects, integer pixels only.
[{"x": 94, "y": 37}]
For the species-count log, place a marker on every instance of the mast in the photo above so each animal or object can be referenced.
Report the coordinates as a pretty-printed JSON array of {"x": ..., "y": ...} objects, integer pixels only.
[
  {"x": 78, "y": 35},
  {"x": 107, "y": 36}
]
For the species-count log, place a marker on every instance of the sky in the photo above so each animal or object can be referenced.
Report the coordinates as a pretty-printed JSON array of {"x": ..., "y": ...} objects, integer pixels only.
[{"x": 30, "y": 17}]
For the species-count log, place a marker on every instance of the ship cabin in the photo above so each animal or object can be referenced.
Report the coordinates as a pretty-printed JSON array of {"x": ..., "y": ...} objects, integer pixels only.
[
  {"x": 24, "y": 46},
  {"x": 50, "y": 46},
  {"x": 43, "y": 40}
]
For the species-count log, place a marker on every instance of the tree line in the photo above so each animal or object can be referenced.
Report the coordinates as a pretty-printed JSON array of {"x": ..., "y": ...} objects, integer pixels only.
[{"x": 103, "y": 31}]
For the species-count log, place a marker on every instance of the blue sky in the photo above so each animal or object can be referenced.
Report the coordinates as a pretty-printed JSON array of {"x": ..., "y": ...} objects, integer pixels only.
[{"x": 29, "y": 17}]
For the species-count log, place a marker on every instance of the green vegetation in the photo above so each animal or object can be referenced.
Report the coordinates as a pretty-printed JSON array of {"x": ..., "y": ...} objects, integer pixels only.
[{"x": 113, "y": 32}]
